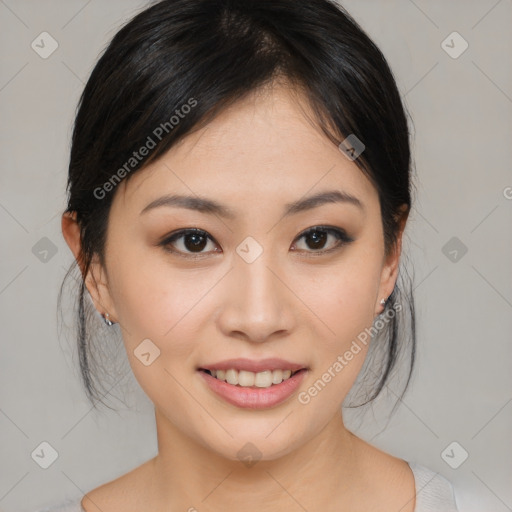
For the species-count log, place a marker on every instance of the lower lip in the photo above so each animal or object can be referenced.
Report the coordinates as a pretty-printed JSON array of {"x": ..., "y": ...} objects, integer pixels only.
[{"x": 255, "y": 398}]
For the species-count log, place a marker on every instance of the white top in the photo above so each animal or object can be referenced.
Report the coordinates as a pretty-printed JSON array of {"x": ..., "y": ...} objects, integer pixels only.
[{"x": 433, "y": 494}]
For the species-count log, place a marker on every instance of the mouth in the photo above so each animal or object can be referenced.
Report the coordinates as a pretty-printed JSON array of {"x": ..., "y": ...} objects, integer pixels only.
[
  {"x": 248, "y": 379},
  {"x": 253, "y": 390}
]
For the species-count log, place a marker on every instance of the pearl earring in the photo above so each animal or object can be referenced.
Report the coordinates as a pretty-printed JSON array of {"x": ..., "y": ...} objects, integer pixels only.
[{"x": 107, "y": 320}]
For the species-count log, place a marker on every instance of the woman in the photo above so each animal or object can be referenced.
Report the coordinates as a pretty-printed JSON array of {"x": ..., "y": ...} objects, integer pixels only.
[{"x": 239, "y": 185}]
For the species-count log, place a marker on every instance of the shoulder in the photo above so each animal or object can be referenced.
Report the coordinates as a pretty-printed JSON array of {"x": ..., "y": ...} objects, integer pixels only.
[
  {"x": 115, "y": 495},
  {"x": 414, "y": 485},
  {"x": 64, "y": 506},
  {"x": 434, "y": 493},
  {"x": 130, "y": 490}
]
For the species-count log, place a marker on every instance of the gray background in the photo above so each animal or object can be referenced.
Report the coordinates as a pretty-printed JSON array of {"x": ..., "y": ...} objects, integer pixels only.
[{"x": 461, "y": 109}]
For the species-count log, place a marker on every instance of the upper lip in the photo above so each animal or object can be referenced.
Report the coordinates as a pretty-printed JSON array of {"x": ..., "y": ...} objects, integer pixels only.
[{"x": 252, "y": 365}]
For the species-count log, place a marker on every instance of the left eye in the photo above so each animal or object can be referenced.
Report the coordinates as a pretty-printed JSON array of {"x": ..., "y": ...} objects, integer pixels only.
[{"x": 317, "y": 238}]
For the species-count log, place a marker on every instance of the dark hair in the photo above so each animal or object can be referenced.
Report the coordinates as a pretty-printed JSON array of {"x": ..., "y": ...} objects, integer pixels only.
[{"x": 209, "y": 54}]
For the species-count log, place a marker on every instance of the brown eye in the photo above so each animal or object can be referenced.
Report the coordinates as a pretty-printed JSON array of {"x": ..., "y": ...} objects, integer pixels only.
[
  {"x": 194, "y": 242},
  {"x": 189, "y": 241},
  {"x": 317, "y": 238}
]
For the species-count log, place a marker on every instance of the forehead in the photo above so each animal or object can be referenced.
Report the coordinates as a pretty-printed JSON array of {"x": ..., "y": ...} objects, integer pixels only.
[{"x": 266, "y": 147}]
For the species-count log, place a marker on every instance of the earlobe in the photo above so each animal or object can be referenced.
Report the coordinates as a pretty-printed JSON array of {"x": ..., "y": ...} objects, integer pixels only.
[
  {"x": 390, "y": 269},
  {"x": 97, "y": 285},
  {"x": 95, "y": 277},
  {"x": 388, "y": 279}
]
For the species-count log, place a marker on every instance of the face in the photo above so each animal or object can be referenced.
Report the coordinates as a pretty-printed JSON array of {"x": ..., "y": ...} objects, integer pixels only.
[{"x": 266, "y": 275}]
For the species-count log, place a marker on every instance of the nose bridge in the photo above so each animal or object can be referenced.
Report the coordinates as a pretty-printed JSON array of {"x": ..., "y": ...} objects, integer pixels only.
[
  {"x": 258, "y": 282},
  {"x": 257, "y": 303}
]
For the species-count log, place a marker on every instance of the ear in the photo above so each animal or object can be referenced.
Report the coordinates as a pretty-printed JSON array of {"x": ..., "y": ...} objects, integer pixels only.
[
  {"x": 96, "y": 279},
  {"x": 389, "y": 273}
]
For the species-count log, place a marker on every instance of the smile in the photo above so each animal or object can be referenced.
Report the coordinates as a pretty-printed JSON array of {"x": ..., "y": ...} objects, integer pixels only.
[
  {"x": 244, "y": 378},
  {"x": 254, "y": 390}
]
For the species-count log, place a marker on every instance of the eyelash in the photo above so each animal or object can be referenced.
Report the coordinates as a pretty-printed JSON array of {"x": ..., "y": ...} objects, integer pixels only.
[{"x": 341, "y": 236}]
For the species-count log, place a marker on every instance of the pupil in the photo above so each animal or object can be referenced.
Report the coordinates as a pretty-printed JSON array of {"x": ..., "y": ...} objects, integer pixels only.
[
  {"x": 318, "y": 241},
  {"x": 198, "y": 242}
]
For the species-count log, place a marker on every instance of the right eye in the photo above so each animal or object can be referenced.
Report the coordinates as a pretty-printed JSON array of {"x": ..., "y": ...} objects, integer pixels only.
[{"x": 189, "y": 243}]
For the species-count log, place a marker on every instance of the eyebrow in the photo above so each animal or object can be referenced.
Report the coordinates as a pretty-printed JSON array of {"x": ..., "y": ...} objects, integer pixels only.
[{"x": 212, "y": 207}]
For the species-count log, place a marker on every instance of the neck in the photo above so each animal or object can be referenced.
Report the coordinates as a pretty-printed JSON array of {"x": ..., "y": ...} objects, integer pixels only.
[{"x": 187, "y": 475}]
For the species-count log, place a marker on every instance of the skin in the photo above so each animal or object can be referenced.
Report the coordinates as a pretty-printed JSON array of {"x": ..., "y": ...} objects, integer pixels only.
[{"x": 290, "y": 302}]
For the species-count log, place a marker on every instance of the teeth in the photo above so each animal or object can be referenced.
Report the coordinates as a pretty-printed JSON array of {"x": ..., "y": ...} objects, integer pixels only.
[
  {"x": 277, "y": 376},
  {"x": 231, "y": 376},
  {"x": 246, "y": 379},
  {"x": 243, "y": 378}
]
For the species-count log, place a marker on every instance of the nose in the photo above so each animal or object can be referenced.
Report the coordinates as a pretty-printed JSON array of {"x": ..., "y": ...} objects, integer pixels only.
[{"x": 256, "y": 305}]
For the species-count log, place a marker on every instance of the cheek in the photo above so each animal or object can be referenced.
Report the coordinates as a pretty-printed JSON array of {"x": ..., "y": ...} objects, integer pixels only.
[
  {"x": 343, "y": 300},
  {"x": 342, "y": 297},
  {"x": 344, "y": 304},
  {"x": 162, "y": 304},
  {"x": 156, "y": 300}
]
